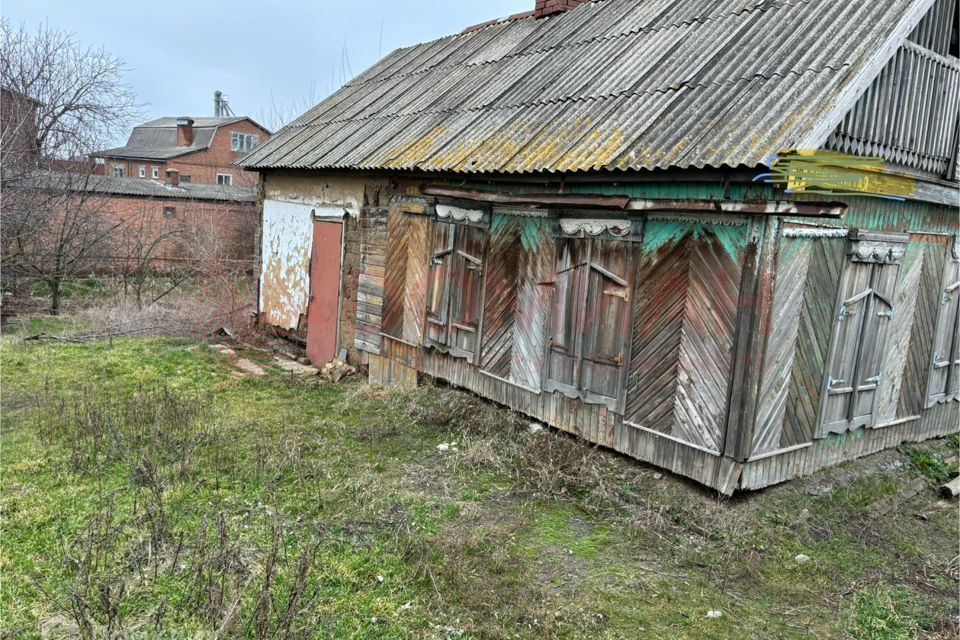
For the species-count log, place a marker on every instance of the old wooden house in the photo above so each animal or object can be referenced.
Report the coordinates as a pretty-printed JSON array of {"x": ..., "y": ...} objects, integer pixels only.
[{"x": 719, "y": 236}]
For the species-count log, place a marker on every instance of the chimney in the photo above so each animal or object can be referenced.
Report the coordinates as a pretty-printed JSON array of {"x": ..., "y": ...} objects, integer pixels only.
[
  {"x": 548, "y": 7},
  {"x": 184, "y": 132},
  {"x": 173, "y": 177}
]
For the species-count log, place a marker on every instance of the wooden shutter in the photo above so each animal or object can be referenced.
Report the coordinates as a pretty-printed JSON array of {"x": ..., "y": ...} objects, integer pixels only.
[
  {"x": 588, "y": 320},
  {"x": 438, "y": 291},
  {"x": 568, "y": 299},
  {"x": 455, "y": 283},
  {"x": 606, "y": 316},
  {"x": 859, "y": 335},
  {"x": 944, "y": 383},
  {"x": 466, "y": 282}
]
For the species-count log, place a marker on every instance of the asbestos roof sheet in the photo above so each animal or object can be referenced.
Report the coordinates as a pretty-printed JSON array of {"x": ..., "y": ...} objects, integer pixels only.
[
  {"x": 144, "y": 188},
  {"x": 612, "y": 84}
]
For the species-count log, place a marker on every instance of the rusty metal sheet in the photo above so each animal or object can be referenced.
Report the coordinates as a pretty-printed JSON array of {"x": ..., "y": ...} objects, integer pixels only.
[{"x": 285, "y": 262}]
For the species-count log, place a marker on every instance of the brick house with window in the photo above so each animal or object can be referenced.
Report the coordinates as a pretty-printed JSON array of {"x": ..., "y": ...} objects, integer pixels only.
[{"x": 202, "y": 150}]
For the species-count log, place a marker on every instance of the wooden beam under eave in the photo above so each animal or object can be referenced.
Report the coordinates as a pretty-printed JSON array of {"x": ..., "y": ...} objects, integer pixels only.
[{"x": 640, "y": 205}]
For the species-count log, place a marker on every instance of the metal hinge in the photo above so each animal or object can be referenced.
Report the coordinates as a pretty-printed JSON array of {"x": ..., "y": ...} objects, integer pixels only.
[
  {"x": 875, "y": 378},
  {"x": 888, "y": 314},
  {"x": 832, "y": 381},
  {"x": 843, "y": 312}
]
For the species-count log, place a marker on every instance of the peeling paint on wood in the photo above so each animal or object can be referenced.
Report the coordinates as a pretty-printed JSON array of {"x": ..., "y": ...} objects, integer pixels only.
[{"x": 285, "y": 262}]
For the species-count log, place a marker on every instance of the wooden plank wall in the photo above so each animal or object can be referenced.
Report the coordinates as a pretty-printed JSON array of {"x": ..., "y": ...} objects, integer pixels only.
[
  {"x": 808, "y": 273},
  {"x": 370, "y": 280},
  {"x": 913, "y": 389},
  {"x": 781, "y": 346},
  {"x": 594, "y": 423},
  {"x": 683, "y": 330},
  {"x": 939, "y": 420},
  {"x": 802, "y": 409}
]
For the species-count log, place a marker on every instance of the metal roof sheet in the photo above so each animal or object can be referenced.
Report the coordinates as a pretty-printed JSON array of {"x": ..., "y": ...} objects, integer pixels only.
[{"x": 612, "y": 84}]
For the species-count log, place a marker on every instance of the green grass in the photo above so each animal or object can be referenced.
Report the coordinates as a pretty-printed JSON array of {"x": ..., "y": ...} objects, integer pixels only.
[
  {"x": 514, "y": 535},
  {"x": 928, "y": 463}
]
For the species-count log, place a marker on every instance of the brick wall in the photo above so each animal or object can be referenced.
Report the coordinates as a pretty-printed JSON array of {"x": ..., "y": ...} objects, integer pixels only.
[{"x": 222, "y": 230}]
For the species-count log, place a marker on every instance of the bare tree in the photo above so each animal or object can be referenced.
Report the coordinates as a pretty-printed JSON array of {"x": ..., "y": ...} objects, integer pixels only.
[{"x": 61, "y": 101}]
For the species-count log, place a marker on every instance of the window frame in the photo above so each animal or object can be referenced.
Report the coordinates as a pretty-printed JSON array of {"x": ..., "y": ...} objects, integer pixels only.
[
  {"x": 185, "y": 178},
  {"x": 154, "y": 172},
  {"x": 460, "y": 261},
  {"x": 169, "y": 212},
  {"x": 241, "y": 142},
  {"x": 948, "y": 292},
  {"x": 879, "y": 251},
  {"x": 117, "y": 171},
  {"x": 228, "y": 182},
  {"x": 142, "y": 171}
]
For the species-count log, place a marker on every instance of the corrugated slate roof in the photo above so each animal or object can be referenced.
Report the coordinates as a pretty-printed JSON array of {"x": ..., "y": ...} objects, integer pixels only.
[
  {"x": 614, "y": 84},
  {"x": 144, "y": 188}
]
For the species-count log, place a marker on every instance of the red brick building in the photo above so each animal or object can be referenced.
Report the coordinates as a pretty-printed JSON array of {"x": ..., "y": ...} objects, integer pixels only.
[
  {"x": 18, "y": 129},
  {"x": 203, "y": 150}
]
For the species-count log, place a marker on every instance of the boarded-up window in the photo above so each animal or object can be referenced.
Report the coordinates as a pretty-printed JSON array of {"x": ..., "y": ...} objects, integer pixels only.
[
  {"x": 859, "y": 339},
  {"x": 589, "y": 319},
  {"x": 944, "y": 381},
  {"x": 455, "y": 278}
]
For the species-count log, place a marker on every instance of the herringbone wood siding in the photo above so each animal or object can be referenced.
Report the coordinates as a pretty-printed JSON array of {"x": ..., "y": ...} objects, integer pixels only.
[
  {"x": 395, "y": 275},
  {"x": 657, "y": 334},
  {"x": 683, "y": 331},
  {"x": 913, "y": 390},
  {"x": 535, "y": 262},
  {"x": 500, "y": 297},
  {"x": 898, "y": 340},
  {"x": 707, "y": 345},
  {"x": 813, "y": 340},
  {"x": 793, "y": 258},
  {"x": 416, "y": 228}
]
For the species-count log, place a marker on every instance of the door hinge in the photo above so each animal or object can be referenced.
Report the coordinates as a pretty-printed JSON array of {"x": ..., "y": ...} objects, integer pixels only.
[
  {"x": 843, "y": 313},
  {"x": 875, "y": 378},
  {"x": 832, "y": 381},
  {"x": 888, "y": 314}
]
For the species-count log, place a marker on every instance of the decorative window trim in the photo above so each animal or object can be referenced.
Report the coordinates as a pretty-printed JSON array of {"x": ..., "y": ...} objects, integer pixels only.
[
  {"x": 450, "y": 213},
  {"x": 582, "y": 227}
]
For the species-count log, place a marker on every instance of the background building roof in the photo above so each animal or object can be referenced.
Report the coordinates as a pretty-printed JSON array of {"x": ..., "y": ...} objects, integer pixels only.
[
  {"x": 614, "y": 84},
  {"x": 157, "y": 139},
  {"x": 110, "y": 185}
]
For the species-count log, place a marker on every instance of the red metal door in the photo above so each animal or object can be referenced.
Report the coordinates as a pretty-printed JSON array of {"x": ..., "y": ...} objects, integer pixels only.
[{"x": 323, "y": 312}]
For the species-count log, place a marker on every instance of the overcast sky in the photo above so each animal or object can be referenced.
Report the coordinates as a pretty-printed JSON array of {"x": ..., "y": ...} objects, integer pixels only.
[{"x": 257, "y": 53}]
